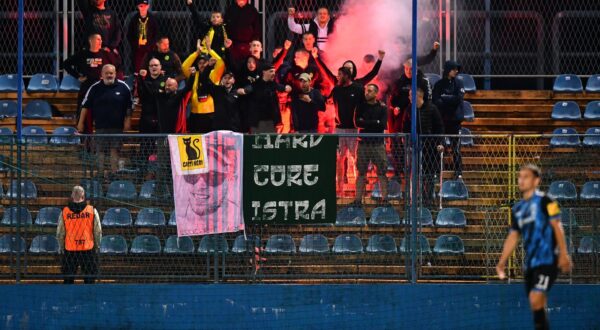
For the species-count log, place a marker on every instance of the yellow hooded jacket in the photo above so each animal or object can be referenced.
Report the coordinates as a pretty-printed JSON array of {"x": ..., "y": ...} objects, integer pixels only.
[{"x": 205, "y": 106}]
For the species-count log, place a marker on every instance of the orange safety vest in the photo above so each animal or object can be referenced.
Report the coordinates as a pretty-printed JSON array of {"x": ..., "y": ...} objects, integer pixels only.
[{"x": 79, "y": 229}]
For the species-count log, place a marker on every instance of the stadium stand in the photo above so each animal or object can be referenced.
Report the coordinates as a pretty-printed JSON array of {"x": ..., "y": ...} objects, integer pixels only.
[
  {"x": 280, "y": 244},
  {"x": 466, "y": 139},
  {"x": 47, "y": 216},
  {"x": 314, "y": 243},
  {"x": 65, "y": 135},
  {"x": 245, "y": 243},
  {"x": 567, "y": 83},
  {"x": 347, "y": 244},
  {"x": 11, "y": 216},
  {"x": 588, "y": 245},
  {"x": 145, "y": 244},
  {"x": 121, "y": 190},
  {"x": 449, "y": 244},
  {"x": 592, "y": 111},
  {"x": 454, "y": 190},
  {"x": 394, "y": 190},
  {"x": 42, "y": 83},
  {"x": 590, "y": 191},
  {"x": 451, "y": 217},
  {"x": 593, "y": 84},
  {"x": 181, "y": 245},
  {"x": 351, "y": 216},
  {"x": 468, "y": 82},
  {"x": 117, "y": 217},
  {"x": 8, "y": 83},
  {"x": 382, "y": 244},
  {"x": 213, "y": 243},
  {"x": 28, "y": 189},
  {"x": 150, "y": 217},
  {"x": 468, "y": 111},
  {"x": 69, "y": 84},
  {"x": 113, "y": 244},
  {"x": 10, "y": 244},
  {"x": 592, "y": 137},
  {"x": 565, "y": 137},
  {"x": 423, "y": 246},
  {"x": 566, "y": 110},
  {"x": 44, "y": 244},
  {"x": 35, "y": 135},
  {"x": 563, "y": 190},
  {"x": 93, "y": 188},
  {"x": 384, "y": 216},
  {"x": 8, "y": 109}
]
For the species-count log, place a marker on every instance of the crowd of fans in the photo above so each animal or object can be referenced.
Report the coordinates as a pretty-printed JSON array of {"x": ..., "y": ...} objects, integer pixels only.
[{"x": 228, "y": 84}]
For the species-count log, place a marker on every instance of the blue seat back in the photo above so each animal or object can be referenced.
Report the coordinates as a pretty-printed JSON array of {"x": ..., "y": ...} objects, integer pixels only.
[
  {"x": 568, "y": 83},
  {"x": 69, "y": 84},
  {"x": 469, "y": 112},
  {"x": 351, "y": 216},
  {"x": 394, "y": 191},
  {"x": 11, "y": 216},
  {"x": 384, "y": 216},
  {"x": 422, "y": 244},
  {"x": 44, "y": 244},
  {"x": 468, "y": 82},
  {"x": 566, "y": 110},
  {"x": 451, "y": 217},
  {"x": 433, "y": 78},
  {"x": 244, "y": 244},
  {"x": 145, "y": 244},
  {"x": 454, "y": 190},
  {"x": 113, "y": 244},
  {"x": 347, "y": 243},
  {"x": 65, "y": 135},
  {"x": 48, "y": 216},
  {"x": 449, "y": 244},
  {"x": 42, "y": 83},
  {"x": 148, "y": 191},
  {"x": 382, "y": 244},
  {"x": 9, "y": 83},
  {"x": 150, "y": 217},
  {"x": 588, "y": 245},
  {"x": 563, "y": 190},
  {"x": 565, "y": 137},
  {"x": 11, "y": 244},
  {"x": 593, "y": 84},
  {"x": 176, "y": 244},
  {"x": 314, "y": 243},
  {"x": 172, "y": 219},
  {"x": 590, "y": 191},
  {"x": 28, "y": 189},
  {"x": 121, "y": 190},
  {"x": 117, "y": 217},
  {"x": 37, "y": 109},
  {"x": 212, "y": 243},
  {"x": 280, "y": 244},
  {"x": 592, "y": 111},
  {"x": 34, "y": 135},
  {"x": 93, "y": 188},
  {"x": 466, "y": 138},
  {"x": 8, "y": 109},
  {"x": 592, "y": 137}
]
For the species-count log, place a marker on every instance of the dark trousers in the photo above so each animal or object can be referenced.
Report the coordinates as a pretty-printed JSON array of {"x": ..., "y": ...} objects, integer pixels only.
[
  {"x": 398, "y": 157},
  {"x": 87, "y": 260},
  {"x": 200, "y": 123},
  {"x": 452, "y": 128}
]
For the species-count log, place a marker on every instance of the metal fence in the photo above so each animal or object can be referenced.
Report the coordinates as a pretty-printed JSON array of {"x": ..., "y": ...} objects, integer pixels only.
[
  {"x": 461, "y": 222},
  {"x": 491, "y": 39}
]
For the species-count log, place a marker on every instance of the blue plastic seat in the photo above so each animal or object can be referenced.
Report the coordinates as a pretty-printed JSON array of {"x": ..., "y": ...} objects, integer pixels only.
[
  {"x": 593, "y": 84},
  {"x": 37, "y": 109},
  {"x": 351, "y": 216},
  {"x": 42, "y": 83},
  {"x": 347, "y": 243},
  {"x": 592, "y": 137},
  {"x": 592, "y": 111},
  {"x": 590, "y": 191},
  {"x": 451, "y": 217},
  {"x": 569, "y": 220},
  {"x": 384, "y": 216},
  {"x": 10, "y": 217},
  {"x": 566, "y": 110},
  {"x": 280, "y": 244},
  {"x": 469, "y": 112},
  {"x": 565, "y": 137},
  {"x": 6, "y": 136},
  {"x": 148, "y": 191},
  {"x": 212, "y": 243},
  {"x": 11, "y": 244},
  {"x": 382, "y": 244},
  {"x": 394, "y": 190},
  {"x": 8, "y": 109},
  {"x": 44, "y": 244},
  {"x": 433, "y": 78},
  {"x": 28, "y": 189},
  {"x": 4, "y": 167},
  {"x": 172, "y": 219},
  {"x": 145, "y": 244},
  {"x": 449, "y": 244},
  {"x": 175, "y": 244},
  {"x": 69, "y": 84},
  {"x": 466, "y": 139},
  {"x": 563, "y": 191},
  {"x": 422, "y": 245},
  {"x": 454, "y": 190},
  {"x": 121, "y": 190},
  {"x": 243, "y": 244},
  {"x": 424, "y": 217},
  {"x": 93, "y": 188},
  {"x": 150, "y": 217},
  {"x": 117, "y": 217},
  {"x": 113, "y": 244},
  {"x": 314, "y": 243},
  {"x": 34, "y": 135},
  {"x": 567, "y": 83},
  {"x": 65, "y": 135},
  {"x": 468, "y": 82},
  {"x": 48, "y": 216},
  {"x": 588, "y": 245},
  {"x": 9, "y": 83}
]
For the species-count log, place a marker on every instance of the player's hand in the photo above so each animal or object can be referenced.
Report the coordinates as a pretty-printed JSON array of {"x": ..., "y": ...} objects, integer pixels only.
[
  {"x": 287, "y": 44},
  {"x": 291, "y": 11},
  {"x": 564, "y": 263},
  {"x": 228, "y": 43},
  {"x": 315, "y": 52},
  {"x": 192, "y": 71},
  {"x": 143, "y": 73},
  {"x": 241, "y": 91},
  {"x": 305, "y": 98},
  {"x": 436, "y": 45},
  {"x": 288, "y": 88},
  {"x": 500, "y": 270},
  {"x": 381, "y": 54},
  {"x": 80, "y": 127},
  {"x": 212, "y": 62}
]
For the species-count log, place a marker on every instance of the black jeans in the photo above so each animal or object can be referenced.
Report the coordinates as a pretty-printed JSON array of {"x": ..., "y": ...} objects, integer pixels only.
[{"x": 87, "y": 260}]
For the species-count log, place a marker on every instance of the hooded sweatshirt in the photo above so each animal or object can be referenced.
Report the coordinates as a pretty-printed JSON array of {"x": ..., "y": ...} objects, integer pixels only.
[{"x": 448, "y": 94}]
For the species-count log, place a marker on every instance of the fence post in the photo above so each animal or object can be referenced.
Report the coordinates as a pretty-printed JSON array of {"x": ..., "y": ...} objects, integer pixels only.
[
  {"x": 415, "y": 143},
  {"x": 19, "y": 124}
]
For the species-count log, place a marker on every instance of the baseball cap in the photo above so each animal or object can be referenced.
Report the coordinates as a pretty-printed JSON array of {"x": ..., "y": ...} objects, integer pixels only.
[{"x": 139, "y": 2}]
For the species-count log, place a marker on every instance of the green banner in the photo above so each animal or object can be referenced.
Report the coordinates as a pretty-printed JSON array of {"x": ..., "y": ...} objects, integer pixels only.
[{"x": 289, "y": 179}]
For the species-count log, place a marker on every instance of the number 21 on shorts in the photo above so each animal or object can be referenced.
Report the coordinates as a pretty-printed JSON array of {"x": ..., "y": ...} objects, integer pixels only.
[{"x": 542, "y": 283}]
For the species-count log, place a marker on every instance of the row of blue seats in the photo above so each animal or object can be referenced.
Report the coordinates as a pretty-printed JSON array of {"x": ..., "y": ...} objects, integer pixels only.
[
  {"x": 569, "y": 110},
  {"x": 568, "y": 137},
  {"x": 566, "y": 191},
  {"x": 40, "y": 83},
  {"x": 310, "y": 244},
  {"x": 571, "y": 83},
  {"x": 63, "y": 135},
  {"x": 467, "y": 80},
  {"x": 35, "y": 109}
]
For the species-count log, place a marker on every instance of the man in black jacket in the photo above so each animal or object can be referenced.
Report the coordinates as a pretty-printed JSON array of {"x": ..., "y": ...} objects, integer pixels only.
[
  {"x": 169, "y": 60},
  {"x": 141, "y": 34},
  {"x": 243, "y": 26},
  {"x": 265, "y": 115},
  {"x": 226, "y": 99},
  {"x": 371, "y": 117},
  {"x": 306, "y": 105},
  {"x": 214, "y": 29},
  {"x": 429, "y": 122},
  {"x": 448, "y": 97},
  {"x": 104, "y": 21}
]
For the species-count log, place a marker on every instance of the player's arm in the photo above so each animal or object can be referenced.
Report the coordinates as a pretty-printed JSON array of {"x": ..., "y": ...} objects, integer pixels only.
[
  {"x": 510, "y": 244},
  {"x": 553, "y": 211}
]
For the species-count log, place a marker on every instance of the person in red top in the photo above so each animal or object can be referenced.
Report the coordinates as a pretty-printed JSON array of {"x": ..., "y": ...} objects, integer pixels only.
[{"x": 79, "y": 234}]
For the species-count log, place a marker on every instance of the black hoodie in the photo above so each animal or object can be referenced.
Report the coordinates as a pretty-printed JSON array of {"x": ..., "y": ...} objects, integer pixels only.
[
  {"x": 399, "y": 98},
  {"x": 448, "y": 94}
]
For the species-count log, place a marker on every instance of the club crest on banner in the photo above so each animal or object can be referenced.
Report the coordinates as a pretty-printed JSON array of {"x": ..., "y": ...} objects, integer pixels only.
[{"x": 192, "y": 155}]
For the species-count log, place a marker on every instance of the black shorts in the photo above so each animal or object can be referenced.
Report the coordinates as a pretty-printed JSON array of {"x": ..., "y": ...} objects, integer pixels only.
[{"x": 540, "y": 278}]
